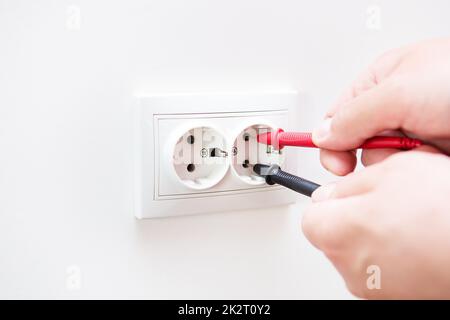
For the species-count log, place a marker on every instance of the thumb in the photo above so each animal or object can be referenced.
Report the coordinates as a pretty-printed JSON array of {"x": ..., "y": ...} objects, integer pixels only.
[{"x": 378, "y": 109}]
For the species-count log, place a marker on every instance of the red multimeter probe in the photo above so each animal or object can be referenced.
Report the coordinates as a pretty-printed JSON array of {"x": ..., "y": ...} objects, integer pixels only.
[{"x": 279, "y": 139}]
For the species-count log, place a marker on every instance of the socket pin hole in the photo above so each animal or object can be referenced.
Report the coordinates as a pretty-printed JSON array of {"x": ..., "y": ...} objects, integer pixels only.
[
  {"x": 246, "y": 136},
  {"x": 191, "y": 167},
  {"x": 246, "y": 164},
  {"x": 190, "y": 139}
]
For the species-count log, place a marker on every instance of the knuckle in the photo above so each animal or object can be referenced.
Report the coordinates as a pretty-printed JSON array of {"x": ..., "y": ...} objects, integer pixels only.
[
  {"x": 340, "y": 119},
  {"x": 397, "y": 89},
  {"x": 383, "y": 57}
]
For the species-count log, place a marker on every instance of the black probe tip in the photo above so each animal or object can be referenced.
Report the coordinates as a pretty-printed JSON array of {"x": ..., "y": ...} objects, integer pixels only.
[
  {"x": 266, "y": 171},
  {"x": 260, "y": 169}
]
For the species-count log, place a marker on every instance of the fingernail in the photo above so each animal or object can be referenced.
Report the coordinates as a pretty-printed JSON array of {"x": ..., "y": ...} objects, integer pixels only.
[
  {"x": 323, "y": 193},
  {"x": 322, "y": 131}
]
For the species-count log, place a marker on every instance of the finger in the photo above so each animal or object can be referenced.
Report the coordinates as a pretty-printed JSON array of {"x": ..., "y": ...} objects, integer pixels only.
[
  {"x": 427, "y": 148},
  {"x": 356, "y": 183},
  {"x": 338, "y": 162},
  {"x": 381, "y": 108},
  {"x": 377, "y": 72},
  {"x": 363, "y": 181},
  {"x": 333, "y": 224},
  {"x": 365, "y": 81},
  {"x": 372, "y": 156}
]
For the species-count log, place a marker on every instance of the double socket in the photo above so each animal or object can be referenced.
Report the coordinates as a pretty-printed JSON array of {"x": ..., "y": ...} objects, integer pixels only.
[{"x": 194, "y": 152}]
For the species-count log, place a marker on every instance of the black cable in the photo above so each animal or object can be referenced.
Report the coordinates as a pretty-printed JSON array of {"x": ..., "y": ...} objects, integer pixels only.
[{"x": 273, "y": 174}]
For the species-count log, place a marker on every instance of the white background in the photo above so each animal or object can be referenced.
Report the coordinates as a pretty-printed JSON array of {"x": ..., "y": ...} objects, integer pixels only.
[{"x": 66, "y": 224}]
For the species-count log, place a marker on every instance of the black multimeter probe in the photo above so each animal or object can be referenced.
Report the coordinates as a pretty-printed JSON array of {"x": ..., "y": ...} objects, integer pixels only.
[{"x": 273, "y": 174}]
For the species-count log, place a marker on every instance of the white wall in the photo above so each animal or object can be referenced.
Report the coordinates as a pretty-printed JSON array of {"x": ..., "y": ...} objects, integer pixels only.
[{"x": 65, "y": 138}]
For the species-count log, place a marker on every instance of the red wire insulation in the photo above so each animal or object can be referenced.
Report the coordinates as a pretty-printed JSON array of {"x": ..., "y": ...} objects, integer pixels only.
[{"x": 280, "y": 139}]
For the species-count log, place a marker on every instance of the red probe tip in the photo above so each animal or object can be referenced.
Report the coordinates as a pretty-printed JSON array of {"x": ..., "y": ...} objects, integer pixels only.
[
  {"x": 264, "y": 138},
  {"x": 270, "y": 138}
]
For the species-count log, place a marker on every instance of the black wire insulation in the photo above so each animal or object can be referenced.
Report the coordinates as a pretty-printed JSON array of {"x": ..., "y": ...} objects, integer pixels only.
[{"x": 274, "y": 175}]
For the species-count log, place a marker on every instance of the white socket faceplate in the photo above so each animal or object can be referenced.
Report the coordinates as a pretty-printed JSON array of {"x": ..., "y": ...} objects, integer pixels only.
[{"x": 163, "y": 122}]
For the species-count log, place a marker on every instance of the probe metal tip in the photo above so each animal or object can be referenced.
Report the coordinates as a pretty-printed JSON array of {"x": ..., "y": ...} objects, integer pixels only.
[
  {"x": 265, "y": 170},
  {"x": 260, "y": 169}
]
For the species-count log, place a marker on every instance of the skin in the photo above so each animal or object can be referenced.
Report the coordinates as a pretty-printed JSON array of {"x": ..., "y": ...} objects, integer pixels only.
[{"x": 395, "y": 213}]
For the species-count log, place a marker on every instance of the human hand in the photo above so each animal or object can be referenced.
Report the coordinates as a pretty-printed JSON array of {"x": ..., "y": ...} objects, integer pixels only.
[
  {"x": 406, "y": 91},
  {"x": 394, "y": 215}
]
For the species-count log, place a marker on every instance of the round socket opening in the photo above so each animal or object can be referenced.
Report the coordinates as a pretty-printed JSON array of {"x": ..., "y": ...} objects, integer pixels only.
[
  {"x": 190, "y": 139},
  {"x": 200, "y": 157},
  {"x": 246, "y": 152}
]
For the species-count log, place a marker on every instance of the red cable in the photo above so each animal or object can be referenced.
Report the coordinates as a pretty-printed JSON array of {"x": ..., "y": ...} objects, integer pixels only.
[{"x": 280, "y": 139}]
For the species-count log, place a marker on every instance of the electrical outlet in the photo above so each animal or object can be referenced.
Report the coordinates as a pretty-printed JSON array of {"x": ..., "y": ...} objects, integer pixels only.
[{"x": 194, "y": 152}]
